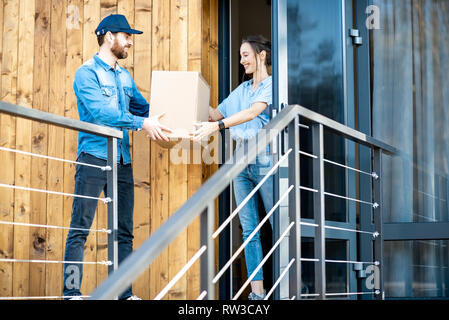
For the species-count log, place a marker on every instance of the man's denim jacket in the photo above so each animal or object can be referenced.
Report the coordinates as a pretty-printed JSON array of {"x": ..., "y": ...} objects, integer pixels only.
[{"x": 108, "y": 97}]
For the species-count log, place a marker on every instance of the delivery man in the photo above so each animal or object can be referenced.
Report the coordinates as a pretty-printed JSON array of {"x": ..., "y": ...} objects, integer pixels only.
[{"x": 106, "y": 95}]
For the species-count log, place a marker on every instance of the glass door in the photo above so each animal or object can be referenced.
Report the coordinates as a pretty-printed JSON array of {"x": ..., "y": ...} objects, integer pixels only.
[{"x": 314, "y": 57}]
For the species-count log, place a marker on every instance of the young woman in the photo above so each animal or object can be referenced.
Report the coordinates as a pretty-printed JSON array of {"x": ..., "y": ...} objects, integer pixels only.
[{"x": 245, "y": 112}]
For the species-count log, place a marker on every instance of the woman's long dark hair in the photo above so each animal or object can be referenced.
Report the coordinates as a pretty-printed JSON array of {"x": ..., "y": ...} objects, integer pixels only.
[{"x": 259, "y": 43}]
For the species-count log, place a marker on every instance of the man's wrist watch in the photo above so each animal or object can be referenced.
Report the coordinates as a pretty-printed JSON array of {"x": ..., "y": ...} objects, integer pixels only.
[{"x": 221, "y": 124}]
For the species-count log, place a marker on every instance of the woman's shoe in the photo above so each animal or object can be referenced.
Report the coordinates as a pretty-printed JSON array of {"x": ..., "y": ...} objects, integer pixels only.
[{"x": 255, "y": 296}]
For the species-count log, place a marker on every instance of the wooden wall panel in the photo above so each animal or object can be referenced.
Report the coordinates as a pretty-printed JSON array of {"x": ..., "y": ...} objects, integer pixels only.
[
  {"x": 100, "y": 251},
  {"x": 141, "y": 143},
  {"x": 74, "y": 25},
  {"x": 8, "y": 140},
  {"x": 159, "y": 187},
  {"x": 92, "y": 17},
  {"x": 178, "y": 172},
  {"x": 39, "y": 145},
  {"x": 55, "y": 173},
  {"x": 195, "y": 171},
  {"x": 47, "y": 42},
  {"x": 23, "y": 143}
]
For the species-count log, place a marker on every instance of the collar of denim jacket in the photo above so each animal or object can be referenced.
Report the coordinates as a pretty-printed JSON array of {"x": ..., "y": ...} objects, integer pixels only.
[{"x": 106, "y": 66}]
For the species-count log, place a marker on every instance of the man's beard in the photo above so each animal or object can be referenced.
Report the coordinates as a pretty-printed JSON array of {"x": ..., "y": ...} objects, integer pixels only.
[{"x": 119, "y": 51}]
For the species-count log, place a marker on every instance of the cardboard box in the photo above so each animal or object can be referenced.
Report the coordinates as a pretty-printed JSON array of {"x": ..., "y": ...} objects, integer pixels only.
[{"x": 184, "y": 97}]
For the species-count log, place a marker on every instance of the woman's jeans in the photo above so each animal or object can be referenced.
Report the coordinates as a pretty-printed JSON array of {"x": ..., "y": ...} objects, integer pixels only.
[
  {"x": 244, "y": 183},
  {"x": 91, "y": 181}
]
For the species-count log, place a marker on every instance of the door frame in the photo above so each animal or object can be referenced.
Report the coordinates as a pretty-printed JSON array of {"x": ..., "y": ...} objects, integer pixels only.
[{"x": 224, "y": 89}]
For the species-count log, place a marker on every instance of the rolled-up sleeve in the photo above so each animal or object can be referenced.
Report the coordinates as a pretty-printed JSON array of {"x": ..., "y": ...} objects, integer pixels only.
[
  {"x": 222, "y": 108},
  {"x": 88, "y": 92},
  {"x": 230, "y": 105}
]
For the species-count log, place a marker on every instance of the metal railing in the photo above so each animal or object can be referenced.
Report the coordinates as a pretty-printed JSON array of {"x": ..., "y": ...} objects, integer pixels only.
[
  {"x": 111, "y": 168},
  {"x": 202, "y": 204}
]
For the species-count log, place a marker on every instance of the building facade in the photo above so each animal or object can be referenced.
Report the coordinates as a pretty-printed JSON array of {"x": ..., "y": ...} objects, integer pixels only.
[{"x": 376, "y": 66}]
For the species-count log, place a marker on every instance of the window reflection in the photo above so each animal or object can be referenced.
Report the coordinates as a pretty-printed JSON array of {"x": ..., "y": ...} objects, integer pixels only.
[
  {"x": 336, "y": 273},
  {"x": 315, "y": 81},
  {"x": 410, "y": 59},
  {"x": 315, "y": 62},
  {"x": 424, "y": 268}
]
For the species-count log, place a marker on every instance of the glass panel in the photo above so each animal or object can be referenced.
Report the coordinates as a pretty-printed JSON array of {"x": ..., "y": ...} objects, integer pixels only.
[
  {"x": 336, "y": 273},
  {"x": 410, "y": 59},
  {"x": 315, "y": 81},
  {"x": 315, "y": 56},
  {"x": 416, "y": 268},
  {"x": 307, "y": 267}
]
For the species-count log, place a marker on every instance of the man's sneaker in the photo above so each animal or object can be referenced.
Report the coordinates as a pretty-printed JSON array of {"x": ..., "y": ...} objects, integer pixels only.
[
  {"x": 255, "y": 296},
  {"x": 133, "y": 298}
]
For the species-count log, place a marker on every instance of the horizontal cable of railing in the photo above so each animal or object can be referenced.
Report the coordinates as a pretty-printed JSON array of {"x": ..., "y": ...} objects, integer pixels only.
[
  {"x": 105, "y": 168},
  {"x": 8, "y": 186},
  {"x": 46, "y": 226},
  {"x": 104, "y": 263},
  {"x": 112, "y": 135}
]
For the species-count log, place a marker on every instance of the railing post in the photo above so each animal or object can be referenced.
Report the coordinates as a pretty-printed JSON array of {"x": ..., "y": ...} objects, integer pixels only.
[
  {"x": 377, "y": 214},
  {"x": 112, "y": 193},
  {"x": 294, "y": 209},
  {"x": 319, "y": 212},
  {"x": 276, "y": 154},
  {"x": 208, "y": 258}
]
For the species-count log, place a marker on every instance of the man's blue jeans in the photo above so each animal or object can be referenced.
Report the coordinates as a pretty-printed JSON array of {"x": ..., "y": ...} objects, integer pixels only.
[
  {"x": 91, "y": 181},
  {"x": 244, "y": 183}
]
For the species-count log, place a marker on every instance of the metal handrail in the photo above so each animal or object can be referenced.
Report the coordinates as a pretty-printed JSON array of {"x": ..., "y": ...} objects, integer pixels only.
[
  {"x": 139, "y": 260},
  {"x": 348, "y": 133},
  {"x": 60, "y": 121}
]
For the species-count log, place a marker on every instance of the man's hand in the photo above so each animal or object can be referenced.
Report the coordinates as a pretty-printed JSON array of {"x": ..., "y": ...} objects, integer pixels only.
[
  {"x": 204, "y": 129},
  {"x": 154, "y": 128}
]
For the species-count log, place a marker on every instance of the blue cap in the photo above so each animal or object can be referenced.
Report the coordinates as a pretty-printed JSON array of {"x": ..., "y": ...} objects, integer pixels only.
[{"x": 115, "y": 23}]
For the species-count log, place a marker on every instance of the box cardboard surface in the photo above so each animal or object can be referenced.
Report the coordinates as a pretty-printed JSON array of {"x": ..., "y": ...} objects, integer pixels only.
[{"x": 184, "y": 97}]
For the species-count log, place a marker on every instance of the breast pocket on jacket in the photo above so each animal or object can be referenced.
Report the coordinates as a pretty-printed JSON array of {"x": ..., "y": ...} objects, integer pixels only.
[
  {"x": 110, "y": 95},
  {"x": 128, "y": 96}
]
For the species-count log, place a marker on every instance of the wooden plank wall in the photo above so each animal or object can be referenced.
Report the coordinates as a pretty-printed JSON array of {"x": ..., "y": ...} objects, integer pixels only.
[{"x": 42, "y": 43}]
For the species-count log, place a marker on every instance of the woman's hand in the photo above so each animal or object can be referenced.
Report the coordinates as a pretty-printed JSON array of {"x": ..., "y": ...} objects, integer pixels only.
[{"x": 204, "y": 129}]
